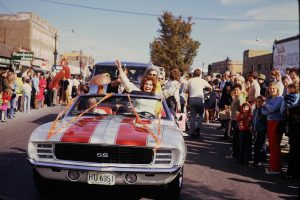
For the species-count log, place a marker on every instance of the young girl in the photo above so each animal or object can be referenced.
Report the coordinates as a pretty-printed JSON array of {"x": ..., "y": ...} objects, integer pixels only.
[
  {"x": 245, "y": 137},
  {"x": 5, "y": 101},
  {"x": 27, "y": 95},
  {"x": 259, "y": 128},
  {"x": 1, "y": 103}
]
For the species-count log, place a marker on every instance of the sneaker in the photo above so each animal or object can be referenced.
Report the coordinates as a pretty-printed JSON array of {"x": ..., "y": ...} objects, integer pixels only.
[
  {"x": 184, "y": 134},
  {"x": 220, "y": 128},
  {"x": 224, "y": 138},
  {"x": 269, "y": 172},
  {"x": 260, "y": 164}
]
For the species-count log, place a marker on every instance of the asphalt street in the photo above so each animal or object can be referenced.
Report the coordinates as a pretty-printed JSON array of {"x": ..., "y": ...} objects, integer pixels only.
[{"x": 207, "y": 172}]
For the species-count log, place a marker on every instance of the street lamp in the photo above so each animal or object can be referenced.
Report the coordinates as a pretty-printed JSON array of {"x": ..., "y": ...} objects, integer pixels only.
[
  {"x": 55, "y": 52},
  {"x": 227, "y": 63}
]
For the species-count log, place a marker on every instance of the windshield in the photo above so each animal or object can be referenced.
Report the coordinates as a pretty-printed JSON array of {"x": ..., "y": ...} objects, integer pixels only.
[
  {"x": 118, "y": 105},
  {"x": 134, "y": 74}
]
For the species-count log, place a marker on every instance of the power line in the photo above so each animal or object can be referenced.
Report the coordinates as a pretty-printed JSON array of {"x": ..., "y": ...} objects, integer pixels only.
[
  {"x": 156, "y": 15},
  {"x": 5, "y": 8}
]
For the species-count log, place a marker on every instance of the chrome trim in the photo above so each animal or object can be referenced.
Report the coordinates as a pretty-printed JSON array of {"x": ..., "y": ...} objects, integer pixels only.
[{"x": 171, "y": 170}]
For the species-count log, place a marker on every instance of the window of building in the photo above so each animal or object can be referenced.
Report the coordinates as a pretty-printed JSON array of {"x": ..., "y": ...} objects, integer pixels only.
[
  {"x": 266, "y": 66},
  {"x": 259, "y": 67}
]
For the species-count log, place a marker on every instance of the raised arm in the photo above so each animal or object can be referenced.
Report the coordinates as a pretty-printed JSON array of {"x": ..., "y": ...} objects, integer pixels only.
[{"x": 128, "y": 86}]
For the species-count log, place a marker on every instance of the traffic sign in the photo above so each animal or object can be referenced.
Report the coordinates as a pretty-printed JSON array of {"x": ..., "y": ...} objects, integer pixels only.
[{"x": 24, "y": 56}]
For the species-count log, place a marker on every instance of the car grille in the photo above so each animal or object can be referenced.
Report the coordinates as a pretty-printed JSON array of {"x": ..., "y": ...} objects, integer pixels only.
[
  {"x": 103, "y": 154},
  {"x": 163, "y": 156},
  {"x": 45, "y": 150}
]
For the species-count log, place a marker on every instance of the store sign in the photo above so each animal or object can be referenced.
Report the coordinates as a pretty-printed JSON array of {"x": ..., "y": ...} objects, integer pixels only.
[
  {"x": 24, "y": 56},
  {"x": 5, "y": 61},
  {"x": 286, "y": 55}
]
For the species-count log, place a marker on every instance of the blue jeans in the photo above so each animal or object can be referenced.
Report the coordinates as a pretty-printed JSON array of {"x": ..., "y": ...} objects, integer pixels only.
[
  {"x": 196, "y": 105},
  {"x": 27, "y": 98},
  {"x": 12, "y": 107}
]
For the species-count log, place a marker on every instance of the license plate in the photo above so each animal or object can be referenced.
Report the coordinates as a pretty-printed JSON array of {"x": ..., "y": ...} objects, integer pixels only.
[{"x": 100, "y": 178}]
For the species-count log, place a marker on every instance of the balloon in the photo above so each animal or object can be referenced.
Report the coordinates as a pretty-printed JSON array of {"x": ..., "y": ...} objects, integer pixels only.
[{"x": 63, "y": 73}]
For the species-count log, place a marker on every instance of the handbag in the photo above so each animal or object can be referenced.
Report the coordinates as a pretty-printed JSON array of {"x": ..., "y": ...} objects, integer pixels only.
[
  {"x": 225, "y": 114},
  {"x": 181, "y": 119}
]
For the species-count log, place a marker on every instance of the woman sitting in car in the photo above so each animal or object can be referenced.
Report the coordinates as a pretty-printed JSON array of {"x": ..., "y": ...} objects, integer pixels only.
[{"x": 148, "y": 84}]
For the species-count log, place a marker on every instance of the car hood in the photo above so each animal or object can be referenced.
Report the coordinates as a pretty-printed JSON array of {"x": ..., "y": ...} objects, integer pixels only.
[{"x": 112, "y": 130}]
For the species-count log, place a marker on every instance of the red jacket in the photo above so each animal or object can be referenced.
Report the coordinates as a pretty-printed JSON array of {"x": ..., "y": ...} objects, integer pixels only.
[
  {"x": 244, "y": 119},
  {"x": 6, "y": 98}
]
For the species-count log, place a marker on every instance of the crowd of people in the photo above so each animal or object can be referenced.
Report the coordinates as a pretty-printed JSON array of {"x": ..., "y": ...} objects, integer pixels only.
[
  {"x": 27, "y": 90},
  {"x": 255, "y": 109},
  {"x": 258, "y": 111}
]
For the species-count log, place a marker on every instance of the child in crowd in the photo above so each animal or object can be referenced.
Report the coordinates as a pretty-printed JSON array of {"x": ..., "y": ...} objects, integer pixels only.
[
  {"x": 27, "y": 95},
  {"x": 259, "y": 129},
  {"x": 5, "y": 101},
  {"x": 233, "y": 131},
  {"x": 1, "y": 104},
  {"x": 245, "y": 137}
]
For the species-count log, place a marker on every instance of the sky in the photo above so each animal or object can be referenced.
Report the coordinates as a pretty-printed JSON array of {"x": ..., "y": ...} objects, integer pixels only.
[{"x": 110, "y": 29}]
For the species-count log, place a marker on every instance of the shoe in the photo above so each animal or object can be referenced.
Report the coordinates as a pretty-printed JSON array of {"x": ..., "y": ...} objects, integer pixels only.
[
  {"x": 269, "y": 172},
  {"x": 257, "y": 165},
  {"x": 289, "y": 177},
  {"x": 184, "y": 134},
  {"x": 260, "y": 164},
  {"x": 223, "y": 138}
]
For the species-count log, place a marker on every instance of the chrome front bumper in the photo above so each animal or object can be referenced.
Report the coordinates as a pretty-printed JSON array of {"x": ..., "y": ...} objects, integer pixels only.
[
  {"x": 145, "y": 176},
  {"x": 172, "y": 170}
]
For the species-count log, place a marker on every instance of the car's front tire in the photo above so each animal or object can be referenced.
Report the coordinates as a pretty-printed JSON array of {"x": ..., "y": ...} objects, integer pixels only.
[
  {"x": 44, "y": 186},
  {"x": 173, "y": 189}
]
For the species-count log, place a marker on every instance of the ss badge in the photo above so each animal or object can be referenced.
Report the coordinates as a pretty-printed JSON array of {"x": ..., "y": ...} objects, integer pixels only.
[{"x": 102, "y": 155}]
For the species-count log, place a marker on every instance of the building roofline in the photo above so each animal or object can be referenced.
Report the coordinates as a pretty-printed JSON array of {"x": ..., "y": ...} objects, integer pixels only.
[{"x": 287, "y": 39}]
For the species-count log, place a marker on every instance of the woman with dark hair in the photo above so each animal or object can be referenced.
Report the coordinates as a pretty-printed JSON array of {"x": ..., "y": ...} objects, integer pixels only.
[{"x": 148, "y": 84}]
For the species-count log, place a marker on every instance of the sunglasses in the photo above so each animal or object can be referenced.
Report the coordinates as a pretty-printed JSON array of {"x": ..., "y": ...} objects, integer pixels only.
[{"x": 151, "y": 74}]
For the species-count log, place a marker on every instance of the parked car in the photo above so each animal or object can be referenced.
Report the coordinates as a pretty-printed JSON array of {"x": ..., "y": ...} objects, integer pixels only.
[{"x": 111, "y": 142}]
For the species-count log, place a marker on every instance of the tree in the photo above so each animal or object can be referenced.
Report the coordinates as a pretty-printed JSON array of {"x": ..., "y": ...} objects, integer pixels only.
[{"x": 174, "y": 48}]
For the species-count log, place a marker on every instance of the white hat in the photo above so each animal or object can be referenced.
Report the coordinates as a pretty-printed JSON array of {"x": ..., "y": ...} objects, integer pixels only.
[{"x": 240, "y": 77}]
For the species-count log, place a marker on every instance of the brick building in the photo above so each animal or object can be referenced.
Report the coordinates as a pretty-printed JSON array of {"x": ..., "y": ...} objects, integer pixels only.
[
  {"x": 225, "y": 65},
  {"x": 79, "y": 62},
  {"x": 27, "y": 32},
  {"x": 257, "y": 60}
]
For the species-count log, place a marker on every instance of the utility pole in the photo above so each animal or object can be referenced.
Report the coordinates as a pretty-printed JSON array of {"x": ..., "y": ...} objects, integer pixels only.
[
  {"x": 80, "y": 62},
  {"x": 55, "y": 52}
]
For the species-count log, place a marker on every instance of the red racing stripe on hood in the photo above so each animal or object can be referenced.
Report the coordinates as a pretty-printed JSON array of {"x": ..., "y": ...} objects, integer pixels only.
[
  {"x": 129, "y": 134},
  {"x": 82, "y": 130}
]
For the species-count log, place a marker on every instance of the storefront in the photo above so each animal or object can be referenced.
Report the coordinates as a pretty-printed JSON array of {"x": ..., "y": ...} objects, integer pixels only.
[{"x": 5, "y": 62}]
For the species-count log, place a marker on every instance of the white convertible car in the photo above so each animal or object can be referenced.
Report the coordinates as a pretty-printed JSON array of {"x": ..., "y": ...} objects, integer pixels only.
[{"x": 113, "y": 139}]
